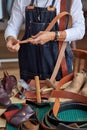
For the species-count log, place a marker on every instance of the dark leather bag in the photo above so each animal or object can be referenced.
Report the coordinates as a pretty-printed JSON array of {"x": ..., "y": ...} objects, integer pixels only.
[{"x": 21, "y": 116}]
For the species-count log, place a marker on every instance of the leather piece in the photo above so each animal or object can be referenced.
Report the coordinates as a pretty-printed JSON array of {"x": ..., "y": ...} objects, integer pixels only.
[
  {"x": 9, "y": 114},
  {"x": 4, "y": 98},
  {"x": 69, "y": 106},
  {"x": 2, "y": 123},
  {"x": 69, "y": 95},
  {"x": 32, "y": 95},
  {"x": 22, "y": 115},
  {"x": 64, "y": 94},
  {"x": 8, "y": 82},
  {"x": 9, "y": 111},
  {"x": 31, "y": 124}
]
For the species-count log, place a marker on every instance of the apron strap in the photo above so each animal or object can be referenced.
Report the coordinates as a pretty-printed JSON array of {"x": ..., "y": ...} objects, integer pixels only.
[
  {"x": 64, "y": 6},
  {"x": 32, "y": 2},
  {"x": 53, "y": 3}
]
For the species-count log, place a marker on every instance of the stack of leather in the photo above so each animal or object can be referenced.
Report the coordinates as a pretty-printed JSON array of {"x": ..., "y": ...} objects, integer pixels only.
[{"x": 8, "y": 90}]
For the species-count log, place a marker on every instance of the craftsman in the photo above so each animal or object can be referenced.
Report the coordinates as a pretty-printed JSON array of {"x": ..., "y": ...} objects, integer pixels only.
[{"x": 40, "y": 58}]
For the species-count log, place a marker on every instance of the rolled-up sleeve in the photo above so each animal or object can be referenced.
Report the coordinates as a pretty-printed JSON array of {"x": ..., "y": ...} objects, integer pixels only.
[
  {"x": 15, "y": 21},
  {"x": 78, "y": 22}
]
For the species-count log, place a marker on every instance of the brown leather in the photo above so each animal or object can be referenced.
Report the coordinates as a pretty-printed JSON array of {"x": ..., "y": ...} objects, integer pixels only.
[
  {"x": 59, "y": 16},
  {"x": 61, "y": 28},
  {"x": 31, "y": 124},
  {"x": 79, "y": 56},
  {"x": 2, "y": 128},
  {"x": 31, "y": 95},
  {"x": 58, "y": 62},
  {"x": 64, "y": 94},
  {"x": 61, "y": 54},
  {"x": 69, "y": 95}
]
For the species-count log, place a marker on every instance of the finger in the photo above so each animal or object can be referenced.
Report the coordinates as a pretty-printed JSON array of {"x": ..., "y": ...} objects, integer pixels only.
[
  {"x": 42, "y": 42},
  {"x": 11, "y": 50},
  {"x": 15, "y": 42},
  {"x": 38, "y": 34},
  {"x": 16, "y": 47},
  {"x": 9, "y": 45},
  {"x": 36, "y": 41}
]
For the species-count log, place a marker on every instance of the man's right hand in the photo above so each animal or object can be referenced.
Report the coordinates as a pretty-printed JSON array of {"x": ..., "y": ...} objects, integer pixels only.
[{"x": 12, "y": 44}]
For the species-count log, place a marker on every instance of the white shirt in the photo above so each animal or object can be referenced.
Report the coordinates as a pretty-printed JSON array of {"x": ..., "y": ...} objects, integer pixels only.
[{"x": 18, "y": 16}]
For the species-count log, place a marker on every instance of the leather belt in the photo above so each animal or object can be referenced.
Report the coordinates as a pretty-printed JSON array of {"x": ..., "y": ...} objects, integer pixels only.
[{"x": 51, "y": 122}]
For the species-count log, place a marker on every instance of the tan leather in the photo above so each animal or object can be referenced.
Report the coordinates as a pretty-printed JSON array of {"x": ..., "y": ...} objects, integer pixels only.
[
  {"x": 80, "y": 60},
  {"x": 59, "y": 16},
  {"x": 30, "y": 125},
  {"x": 63, "y": 81},
  {"x": 69, "y": 95},
  {"x": 64, "y": 94},
  {"x": 58, "y": 62},
  {"x": 2, "y": 123},
  {"x": 80, "y": 56}
]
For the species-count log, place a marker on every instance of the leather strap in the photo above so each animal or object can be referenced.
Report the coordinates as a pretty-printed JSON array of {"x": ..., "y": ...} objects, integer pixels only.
[
  {"x": 59, "y": 16},
  {"x": 58, "y": 62},
  {"x": 59, "y": 59},
  {"x": 31, "y": 124},
  {"x": 69, "y": 95},
  {"x": 64, "y": 94},
  {"x": 63, "y": 62},
  {"x": 50, "y": 121},
  {"x": 62, "y": 26}
]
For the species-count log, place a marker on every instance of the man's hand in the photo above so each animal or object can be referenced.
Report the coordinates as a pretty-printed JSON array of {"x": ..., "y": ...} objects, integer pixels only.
[
  {"x": 12, "y": 44},
  {"x": 43, "y": 36}
]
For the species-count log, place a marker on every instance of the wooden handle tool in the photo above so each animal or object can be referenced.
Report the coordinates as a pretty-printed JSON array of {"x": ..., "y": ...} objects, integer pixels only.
[{"x": 37, "y": 83}]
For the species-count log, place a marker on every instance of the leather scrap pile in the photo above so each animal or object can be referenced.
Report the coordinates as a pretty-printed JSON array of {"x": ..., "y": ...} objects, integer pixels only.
[{"x": 22, "y": 108}]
